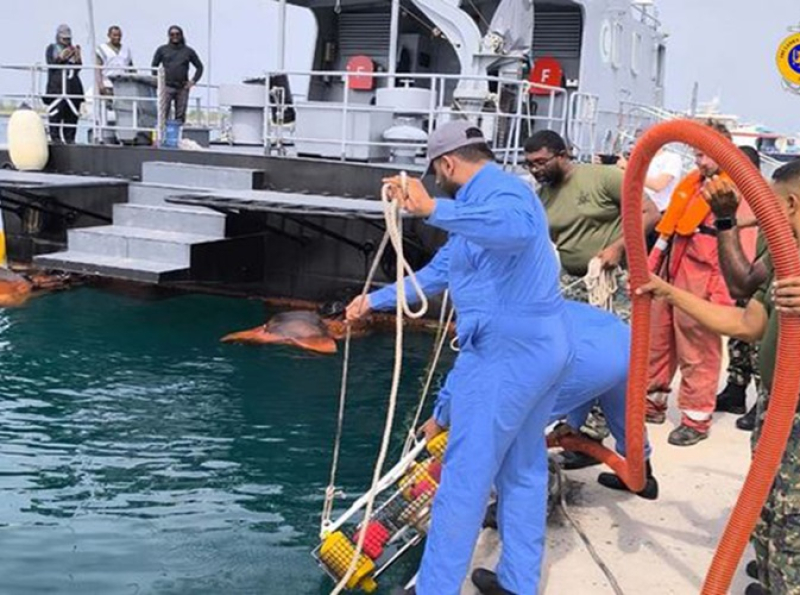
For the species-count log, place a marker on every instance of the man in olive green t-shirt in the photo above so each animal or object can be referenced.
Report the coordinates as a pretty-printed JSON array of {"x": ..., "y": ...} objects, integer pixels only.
[
  {"x": 777, "y": 536},
  {"x": 583, "y": 203}
]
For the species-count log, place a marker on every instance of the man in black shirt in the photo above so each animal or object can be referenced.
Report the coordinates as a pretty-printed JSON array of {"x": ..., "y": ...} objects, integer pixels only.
[{"x": 176, "y": 57}]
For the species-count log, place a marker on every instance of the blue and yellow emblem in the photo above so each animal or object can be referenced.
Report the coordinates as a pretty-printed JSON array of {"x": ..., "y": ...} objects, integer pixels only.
[{"x": 788, "y": 59}]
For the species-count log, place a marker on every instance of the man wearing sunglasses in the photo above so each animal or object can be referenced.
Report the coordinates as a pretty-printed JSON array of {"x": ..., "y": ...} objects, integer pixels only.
[{"x": 176, "y": 57}]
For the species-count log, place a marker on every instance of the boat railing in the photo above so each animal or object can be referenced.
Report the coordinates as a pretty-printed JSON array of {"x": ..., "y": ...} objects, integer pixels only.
[
  {"x": 634, "y": 117},
  {"x": 506, "y": 116},
  {"x": 582, "y": 124},
  {"x": 94, "y": 107},
  {"x": 100, "y": 113},
  {"x": 647, "y": 14}
]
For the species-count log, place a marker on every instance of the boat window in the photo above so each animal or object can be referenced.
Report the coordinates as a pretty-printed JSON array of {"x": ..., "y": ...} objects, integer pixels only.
[
  {"x": 606, "y": 42},
  {"x": 660, "y": 58}
]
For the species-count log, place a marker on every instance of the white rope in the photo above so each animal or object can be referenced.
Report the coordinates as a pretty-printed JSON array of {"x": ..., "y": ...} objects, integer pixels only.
[
  {"x": 394, "y": 232},
  {"x": 441, "y": 339},
  {"x": 330, "y": 491},
  {"x": 601, "y": 285},
  {"x": 562, "y": 502}
]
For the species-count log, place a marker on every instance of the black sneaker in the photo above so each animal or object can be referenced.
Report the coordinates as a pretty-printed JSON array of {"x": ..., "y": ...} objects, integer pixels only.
[
  {"x": 487, "y": 583},
  {"x": 571, "y": 460},
  {"x": 751, "y": 569},
  {"x": 732, "y": 399},
  {"x": 755, "y": 589},
  {"x": 613, "y": 482},
  {"x": 403, "y": 591},
  {"x": 748, "y": 421},
  {"x": 686, "y": 436}
]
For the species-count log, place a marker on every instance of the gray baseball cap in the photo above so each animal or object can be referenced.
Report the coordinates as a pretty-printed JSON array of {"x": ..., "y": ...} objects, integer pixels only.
[{"x": 451, "y": 136}]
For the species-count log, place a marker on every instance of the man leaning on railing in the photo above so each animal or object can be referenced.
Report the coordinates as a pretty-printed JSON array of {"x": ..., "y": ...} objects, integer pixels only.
[
  {"x": 176, "y": 57},
  {"x": 64, "y": 88}
]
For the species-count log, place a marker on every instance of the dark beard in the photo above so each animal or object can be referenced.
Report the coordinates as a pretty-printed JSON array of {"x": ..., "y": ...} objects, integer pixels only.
[
  {"x": 448, "y": 188},
  {"x": 552, "y": 178}
]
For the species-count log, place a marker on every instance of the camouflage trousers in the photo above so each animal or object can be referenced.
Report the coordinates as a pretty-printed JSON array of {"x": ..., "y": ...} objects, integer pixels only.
[
  {"x": 776, "y": 539},
  {"x": 742, "y": 360},
  {"x": 574, "y": 288}
]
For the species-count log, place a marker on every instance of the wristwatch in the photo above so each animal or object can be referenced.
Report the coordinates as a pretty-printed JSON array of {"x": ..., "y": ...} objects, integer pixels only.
[{"x": 724, "y": 223}]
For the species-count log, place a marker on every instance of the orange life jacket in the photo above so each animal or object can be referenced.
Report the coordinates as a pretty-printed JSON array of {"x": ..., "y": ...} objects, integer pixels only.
[
  {"x": 687, "y": 208},
  {"x": 686, "y": 212}
]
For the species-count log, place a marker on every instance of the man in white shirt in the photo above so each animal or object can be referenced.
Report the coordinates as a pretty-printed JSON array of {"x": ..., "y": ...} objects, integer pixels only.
[
  {"x": 663, "y": 175},
  {"x": 115, "y": 59}
]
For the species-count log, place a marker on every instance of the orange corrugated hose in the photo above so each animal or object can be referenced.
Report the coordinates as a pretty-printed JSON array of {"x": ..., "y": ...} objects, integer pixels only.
[{"x": 786, "y": 385}]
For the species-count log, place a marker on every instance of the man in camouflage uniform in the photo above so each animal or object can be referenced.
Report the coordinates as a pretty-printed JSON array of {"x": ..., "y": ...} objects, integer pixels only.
[
  {"x": 776, "y": 539},
  {"x": 584, "y": 212}
]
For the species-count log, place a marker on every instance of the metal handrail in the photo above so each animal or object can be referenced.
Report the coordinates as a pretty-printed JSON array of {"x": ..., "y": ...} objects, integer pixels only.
[
  {"x": 558, "y": 114},
  {"x": 99, "y": 117},
  {"x": 564, "y": 111},
  {"x": 648, "y": 18}
]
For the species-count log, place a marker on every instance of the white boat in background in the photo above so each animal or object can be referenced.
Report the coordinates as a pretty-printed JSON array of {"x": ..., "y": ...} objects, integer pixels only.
[{"x": 773, "y": 145}]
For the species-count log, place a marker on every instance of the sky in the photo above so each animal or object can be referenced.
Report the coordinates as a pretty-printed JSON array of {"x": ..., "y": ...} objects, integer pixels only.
[{"x": 727, "y": 46}]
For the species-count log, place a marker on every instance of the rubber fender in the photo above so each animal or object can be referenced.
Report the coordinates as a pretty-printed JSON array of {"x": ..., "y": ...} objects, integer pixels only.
[{"x": 27, "y": 140}]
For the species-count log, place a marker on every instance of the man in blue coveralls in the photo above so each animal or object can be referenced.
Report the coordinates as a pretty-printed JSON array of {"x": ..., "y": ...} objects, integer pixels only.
[
  {"x": 516, "y": 356},
  {"x": 503, "y": 277}
]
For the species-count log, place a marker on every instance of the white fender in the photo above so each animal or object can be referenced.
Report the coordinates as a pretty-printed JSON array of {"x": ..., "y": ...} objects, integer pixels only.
[{"x": 27, "y": 141}]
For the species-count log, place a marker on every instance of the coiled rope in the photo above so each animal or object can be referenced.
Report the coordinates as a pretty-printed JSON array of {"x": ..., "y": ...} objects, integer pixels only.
[{"x": 601, "y": 285}]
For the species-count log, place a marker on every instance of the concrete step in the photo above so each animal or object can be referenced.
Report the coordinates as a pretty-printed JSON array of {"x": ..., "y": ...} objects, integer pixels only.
[
  {"x": 155, "y": 195},
  {"x": 136, "y": 243},
  {"x": 201, "y": 176},
  {"x": 129, "y": 269},
  {"x": 175, "y": 219}
]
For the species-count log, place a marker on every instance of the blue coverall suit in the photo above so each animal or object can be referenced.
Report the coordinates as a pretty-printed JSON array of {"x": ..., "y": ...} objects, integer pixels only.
[
  {"x": 514, "y": 348},
  {"x": 597, "y": 371},
  {"x": 601, "y": 345}
]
